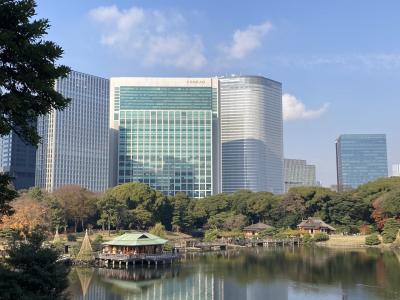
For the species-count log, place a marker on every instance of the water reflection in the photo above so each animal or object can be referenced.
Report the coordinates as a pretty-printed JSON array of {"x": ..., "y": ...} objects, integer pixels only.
[{"x": 281, "y": 273}]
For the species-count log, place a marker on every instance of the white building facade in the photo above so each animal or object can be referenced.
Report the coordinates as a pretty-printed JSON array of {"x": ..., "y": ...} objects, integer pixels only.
[
  {"x": 298, "y": 173},
  {"x": 74, "y": 147},
  {"x": 251, "y": 134}
]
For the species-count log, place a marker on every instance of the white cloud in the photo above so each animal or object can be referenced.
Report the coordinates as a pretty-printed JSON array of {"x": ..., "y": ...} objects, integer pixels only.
[
  {"x": 152, "y": 37},
  {"x": 247, "y": 40},
  {"x": 294, "y": 109}
]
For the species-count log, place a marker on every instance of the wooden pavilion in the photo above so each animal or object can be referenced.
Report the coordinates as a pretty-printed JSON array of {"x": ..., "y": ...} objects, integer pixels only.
[
  {"x": 134, "y": 243},
  {"x": 315, "y": 225},
  {"x": 254, "y": 229}
]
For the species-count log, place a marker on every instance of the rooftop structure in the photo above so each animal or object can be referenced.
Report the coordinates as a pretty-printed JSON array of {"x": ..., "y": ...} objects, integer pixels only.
[
  {"x": 254, "y": 229},
  {"x": 315, "y": 225}
]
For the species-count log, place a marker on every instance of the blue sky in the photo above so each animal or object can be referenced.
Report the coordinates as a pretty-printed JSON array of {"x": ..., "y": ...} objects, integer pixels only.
[{"x": 338, "y": 61}]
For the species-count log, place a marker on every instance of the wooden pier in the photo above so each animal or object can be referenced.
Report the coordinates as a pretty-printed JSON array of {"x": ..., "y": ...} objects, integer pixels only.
[
  {"x": 274, "y": 242},
  {"x": 142, "y": 259}
]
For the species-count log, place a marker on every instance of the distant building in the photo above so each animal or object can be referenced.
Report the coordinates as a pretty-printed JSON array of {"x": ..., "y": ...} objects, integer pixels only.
[
  {"x": 315, "y": 225},
  {"x": 254, "y": 229},
  {"x": 360, "y": 158},
  {"x": 396, "y": 170},
  {"x": 74, "y": 148},
  {"x": 298, "y": 173},
  {"x": 251, "y": 134},
  {"x": 164, "y": 133},
  {"x": 17, "y": 159}
]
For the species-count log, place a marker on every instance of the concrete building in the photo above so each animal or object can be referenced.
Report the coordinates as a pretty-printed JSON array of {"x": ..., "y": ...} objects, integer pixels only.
[
  {"x": 164, "y": 132},
  {"x": 17, "y": 159},
  {"x": 360, "y": 158},
  {"x": 298, "y": 173},
  {"x": 74, "y": 147},
  {"x": 396, "y": 170},
  {"x": 251, "y": 134}
]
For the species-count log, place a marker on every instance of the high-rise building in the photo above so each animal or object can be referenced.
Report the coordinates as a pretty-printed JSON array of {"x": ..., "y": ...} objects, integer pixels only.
[
  {"x": 164, "y": 133},
  {"x": 251, "y": 134},
  {"x": 298, "y": 173},
  {"x": 74, "y": 148},
  {"x": 17, "y": 159},
  {"x": 360, "y": 158},
  {"x": 396, "y": 170}
]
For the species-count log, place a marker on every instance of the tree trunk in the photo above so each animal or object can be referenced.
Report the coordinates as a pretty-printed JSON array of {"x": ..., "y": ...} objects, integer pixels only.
[
  {"x": 83, "y": 228},
  {"x": 76, "y": 225},
  {"x": 109, "y": 225}
]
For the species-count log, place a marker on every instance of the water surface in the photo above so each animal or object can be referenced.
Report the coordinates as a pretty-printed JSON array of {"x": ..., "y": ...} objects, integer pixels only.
[{"x": 251, "y": 274}]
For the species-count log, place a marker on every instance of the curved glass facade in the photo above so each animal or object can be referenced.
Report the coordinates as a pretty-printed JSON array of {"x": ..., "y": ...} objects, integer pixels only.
[{"x": 251, "y": 134}]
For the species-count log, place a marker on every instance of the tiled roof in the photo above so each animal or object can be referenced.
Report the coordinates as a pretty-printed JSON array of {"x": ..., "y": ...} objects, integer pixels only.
[{"x": 136, "y": 239}]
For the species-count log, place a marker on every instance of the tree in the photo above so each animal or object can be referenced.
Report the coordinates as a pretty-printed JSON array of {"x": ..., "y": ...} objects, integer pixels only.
[
  {"x": 56, "y": 214},
  {"x": 112, "y": 211},
  {"x": 159, "y": 230},
  {"x": 78, "y": 203},
  {"x": 28, "y": 214},
  {"x": 32, "y": 271},
  {"x": 27, "y": 76},
  {"x": 140, "y": 218},
  {"x": 181, "y": 219},
  {"x": 7, "y": 194},
  {"x": 391, "y": 203},
  {"x": 390, "y": 230}
]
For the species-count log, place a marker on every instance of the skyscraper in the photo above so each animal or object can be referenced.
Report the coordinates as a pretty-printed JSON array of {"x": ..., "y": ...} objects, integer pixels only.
[
  {"x": 18, "y": 160},
  {"x": 74, "y": 147},
  {"x": 396, "y": 170},
  {"x": 164, "y": 133},
  {"x": 360, "y": 158},
  {"x": 298, "y": 173},
  {"x": 251, "y": 134}
]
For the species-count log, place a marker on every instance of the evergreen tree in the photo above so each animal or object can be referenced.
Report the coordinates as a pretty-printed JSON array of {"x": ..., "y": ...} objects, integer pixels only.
[
  {"x": 31, "y": 271},
  {"x": 27, "y": 76}
]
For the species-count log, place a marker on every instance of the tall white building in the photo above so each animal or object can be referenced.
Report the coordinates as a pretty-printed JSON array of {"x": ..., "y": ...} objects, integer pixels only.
[
  {"x": 396, "y": 170},
  {"x": 74, "y": 148},
  {"x": 251, "y": 134},
  {"x": 298, "y": 173}
]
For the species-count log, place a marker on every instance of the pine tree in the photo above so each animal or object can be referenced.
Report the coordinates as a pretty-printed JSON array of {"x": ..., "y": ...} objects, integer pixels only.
[{"x": 31, "y": 271}]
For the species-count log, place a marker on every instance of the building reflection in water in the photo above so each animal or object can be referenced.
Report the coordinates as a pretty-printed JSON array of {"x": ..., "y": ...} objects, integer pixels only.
[{"x": 168, "y": 283}]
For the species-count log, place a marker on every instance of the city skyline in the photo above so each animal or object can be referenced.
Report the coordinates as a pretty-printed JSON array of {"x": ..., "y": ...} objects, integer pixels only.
[{"x": 338, "y": 77}]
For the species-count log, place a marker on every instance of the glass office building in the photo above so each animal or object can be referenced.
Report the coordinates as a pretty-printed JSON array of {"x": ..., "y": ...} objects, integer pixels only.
[
  {"x": 74, "y": 148},
  {"x": 298, "y": 173},
  {"x": 161, "y": 133},
  {"x": 360, "y": 158},
  {"x": 251, "y": 134},
  {"x": 17, "y": 159}
]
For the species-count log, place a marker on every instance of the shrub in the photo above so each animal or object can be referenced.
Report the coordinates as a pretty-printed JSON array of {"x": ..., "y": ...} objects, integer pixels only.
[
  {"x": 307, "y": 238},
  {"x": 372, "y": 240},
  {"x": 321, "y": 237},
  {"x": 71, "y": 237},
  {"x": 271, "y": 231},
  {"x": 158, "y": 230},
  {"x": 211, "y": 235},
  {"x": 96, "y": 244},
  {"x": 390, "y": 230}
]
